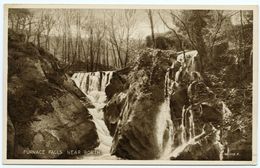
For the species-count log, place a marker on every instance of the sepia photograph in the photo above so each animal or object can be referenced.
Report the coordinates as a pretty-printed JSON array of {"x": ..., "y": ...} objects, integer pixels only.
[{"x": 92, "y": 83}]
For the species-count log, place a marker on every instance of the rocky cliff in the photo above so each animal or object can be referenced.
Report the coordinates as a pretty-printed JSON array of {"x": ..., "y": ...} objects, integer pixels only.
[{"x": 47, "y": 116}]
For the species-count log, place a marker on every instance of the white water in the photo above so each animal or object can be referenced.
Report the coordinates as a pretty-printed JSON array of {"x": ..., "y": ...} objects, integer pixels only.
[
  {"x": 176, "y": 152},
  {"x": 92, "y": 81},
  {"x": 183, "y": 132},
  {"x": 190, "y": 126},
  {"x": 89, "y": 83},
  {"x": 93, "y": 87},
  {"x": 164, "y": 130},
  {"x": 189, "y": 59},
  {"x": 187, "y": 123}
]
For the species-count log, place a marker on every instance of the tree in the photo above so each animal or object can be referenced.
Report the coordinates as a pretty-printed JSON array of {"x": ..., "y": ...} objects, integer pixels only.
[
  {"x": 79, "y": 36},
  {"x": 49, "y": 22},
  {"x": 39, "y": 27},
  {"x": 18, "y": 19},
  {"x": 130, "y": 21},
  {"x": 120, "y": 29},
  {"x": 200, "y": 27},
  {"x": 175, "y": 33},
  {"x": 115, "y": 39},
  {"x": 150, "y": 16}
]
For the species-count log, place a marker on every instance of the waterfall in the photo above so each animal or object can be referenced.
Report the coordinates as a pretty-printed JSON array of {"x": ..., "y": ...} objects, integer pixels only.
[
  {"x": 180, "y": 148},
  {"x": 190, "y": 60},
  {"x": 192, "y": 125},
  {"x": 93, "y": 85},
  {"x": 183, "y": 131},
  {"x": 180, "y": 75},
  {"x": 187, "y": 125},
  {"x": 92, "y": 81},
  {"x": 174, "y": 130},
  {"x": 164, "y": 130}
]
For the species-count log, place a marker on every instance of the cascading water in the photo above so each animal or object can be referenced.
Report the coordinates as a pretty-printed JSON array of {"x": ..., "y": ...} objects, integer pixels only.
[
  {"x": 183, "y": 132},
  {"x": 180, "y": 148},
  {"x": 164, "y": 122},
  {"x": 164, "y": 130},
  {"x": 192, "y": 125},
  {"x": 174, "y": 132},
  {"x": 92, "y": 81},
  {"x": 93, "y": 85},
  {"x": 187, "y": 125},
  {"x": 188, "y": 132}
]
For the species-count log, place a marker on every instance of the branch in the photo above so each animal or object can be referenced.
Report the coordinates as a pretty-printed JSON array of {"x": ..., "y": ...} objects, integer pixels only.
[
  {"x": 180, "y": 42},
  {"x": 219, "y": 24},
  {"x": 186, "y": 29}
]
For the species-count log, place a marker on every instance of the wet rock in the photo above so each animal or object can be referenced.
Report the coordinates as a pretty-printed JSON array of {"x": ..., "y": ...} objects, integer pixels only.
[
  {"x": 117, "y": 84},
  {"x": 178, "y": 99},
  {"x": 136, "y": 133},
  {"x": 112, "y": 111},
  {"x": 44, "y": 106},
  {"x": 195, "y": 110},
  {"x": 204, "y": 149}
]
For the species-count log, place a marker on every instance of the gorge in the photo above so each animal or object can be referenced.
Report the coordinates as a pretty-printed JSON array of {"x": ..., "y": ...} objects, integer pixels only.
[{"x": 158, "y": 108}]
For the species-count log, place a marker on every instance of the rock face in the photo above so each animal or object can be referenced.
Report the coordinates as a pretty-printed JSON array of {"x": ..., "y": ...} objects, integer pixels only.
[
  {"x": 136, "y": 133},
  {"x": 116, "y": 95},
  {"x": 117, "y": 84},
  {"x": 46, "y": 115},
  {"x": 167, "y": 112}
]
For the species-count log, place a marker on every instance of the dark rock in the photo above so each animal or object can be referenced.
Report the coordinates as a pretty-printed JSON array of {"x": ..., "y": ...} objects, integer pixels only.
[
  {"x": 198, "y": 92},
  {"x": 117, "y": 84},
  {"x": 112, "y": 111},
  {"x": 220, "y": 48},
  {"x": 211, "y": 114},
  {"x": 44, "y": 106},
  {"x": 178, "y": 99},
  {"x": 10, "y": 138},
  {"x": 135, "y": 136}
]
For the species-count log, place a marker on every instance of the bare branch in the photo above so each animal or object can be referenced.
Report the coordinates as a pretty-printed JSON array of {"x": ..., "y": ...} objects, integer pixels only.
[
  {"x": 186, "y": 29},
  {"x": 175, "y": 33}
]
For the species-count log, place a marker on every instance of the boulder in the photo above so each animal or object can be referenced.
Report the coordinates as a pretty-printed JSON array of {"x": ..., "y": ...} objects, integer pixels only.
[{"x": 44, "y": 105}]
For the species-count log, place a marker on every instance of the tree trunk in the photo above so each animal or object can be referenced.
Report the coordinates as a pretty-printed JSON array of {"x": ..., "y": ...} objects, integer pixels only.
[
  {"x": 107, "y": 54},
  {"x": 91, "y": 50},
  {"x": 150, "y": 15},
  {"x": 38, "y": 39},
  {"x": 114, "y": 56}
]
